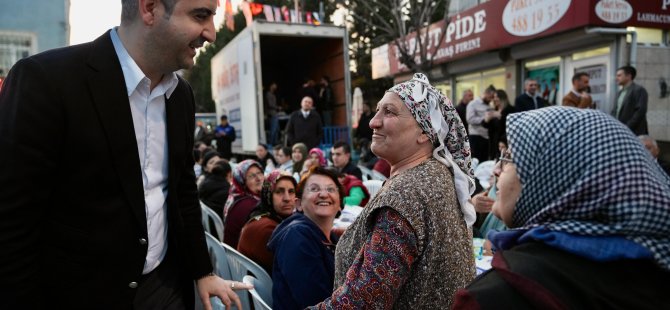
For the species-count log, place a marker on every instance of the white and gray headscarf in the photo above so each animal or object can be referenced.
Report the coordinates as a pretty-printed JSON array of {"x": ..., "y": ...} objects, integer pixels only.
[
  {"x": 439, "y": 120},
  {"x": 585, "y": 173}
]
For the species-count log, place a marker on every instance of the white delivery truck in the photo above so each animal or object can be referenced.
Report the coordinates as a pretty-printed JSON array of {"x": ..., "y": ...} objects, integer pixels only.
[{"x": 267, "y": 52}]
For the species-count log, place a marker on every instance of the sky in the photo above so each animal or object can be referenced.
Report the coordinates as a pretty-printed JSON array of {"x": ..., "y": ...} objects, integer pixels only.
[{"x": 90, "y": 19}]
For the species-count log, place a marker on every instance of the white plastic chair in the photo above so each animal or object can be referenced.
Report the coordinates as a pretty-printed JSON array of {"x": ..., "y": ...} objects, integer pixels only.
[
  {"x": 373, "y": 187},
  {"x": 366, "y": 173},
  {"x": 241, "y": 266},
  {"x": 207, "y": 215},
  {"x": 259, "y": 289},
  {"x": 217, "y": 255}
]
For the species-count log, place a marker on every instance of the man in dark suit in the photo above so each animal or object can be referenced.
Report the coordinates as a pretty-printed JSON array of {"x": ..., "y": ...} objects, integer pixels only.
[
  {"x": 120, "y": 227},
  {"x": 630, "y": 106},
  {"x": 305, "y": 125},
  {"x": 530, "y": 99}
]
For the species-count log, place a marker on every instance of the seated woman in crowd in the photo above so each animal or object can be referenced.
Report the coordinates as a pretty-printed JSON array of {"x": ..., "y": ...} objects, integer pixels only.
[
  {"x": 355, "y": 193},
  {"x": 265, "y": 158},
  {"x": 277, "y": 203},
  {"x": 411, "y": 247},
  {"x": 316, "y": 154},
  {"x": 299, "y": 155},
  {"x": 208, "y": 160},
  {"x": 303, "y": 244},
  {"x": 244, "y": 196},
  {"x": 590, "y": 218},
  {"x": 214, "y": 189}
]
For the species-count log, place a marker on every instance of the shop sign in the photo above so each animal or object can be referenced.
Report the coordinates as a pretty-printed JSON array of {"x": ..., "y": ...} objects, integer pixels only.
[
  {"x": 614, "y": 11},
  {"x": 529, "y": 17}
]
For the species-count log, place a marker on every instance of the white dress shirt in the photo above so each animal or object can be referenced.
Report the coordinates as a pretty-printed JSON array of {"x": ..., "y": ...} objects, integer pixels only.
[{"x": 148, "y": 111}]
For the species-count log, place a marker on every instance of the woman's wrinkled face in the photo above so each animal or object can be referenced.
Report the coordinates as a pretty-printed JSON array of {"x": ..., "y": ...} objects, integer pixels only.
[
  {"x": 297, "y": 155},
  {"x": 254, "y": 179},
  {"x": 283, "y": 198},
  {"x": 395, "y": 131},
  {"x": 509, "y": 189},
  {"x": 320, "y": 198}
]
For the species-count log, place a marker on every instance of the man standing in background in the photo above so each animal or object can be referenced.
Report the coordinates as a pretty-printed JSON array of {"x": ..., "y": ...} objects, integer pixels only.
[
  {"x": 631, "y": 101},
  {"x": 462, "y": 107},
  {"x": 578, "y": 96},
  {"x": 305, "y": 125},
  {"x": 530, "y": 99},
  {"x": 225, "y": 135}
]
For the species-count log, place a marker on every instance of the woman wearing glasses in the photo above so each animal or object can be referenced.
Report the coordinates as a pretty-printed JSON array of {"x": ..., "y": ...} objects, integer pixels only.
[
  {"x": 411, "y": 247},
  {"x": 303, "y": 244},
  {"x": 244, "y": 196},
  {"x": 589, "y": 216}
]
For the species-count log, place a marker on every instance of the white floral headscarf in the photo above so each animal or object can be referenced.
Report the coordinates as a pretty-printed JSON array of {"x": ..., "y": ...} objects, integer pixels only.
[{"x": 438, "y": 119}]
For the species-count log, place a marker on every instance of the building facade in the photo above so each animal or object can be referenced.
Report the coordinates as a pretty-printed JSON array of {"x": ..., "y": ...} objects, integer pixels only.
[
  {"x": 501, "y": 42},
  {"x": 28, "y": 27}
]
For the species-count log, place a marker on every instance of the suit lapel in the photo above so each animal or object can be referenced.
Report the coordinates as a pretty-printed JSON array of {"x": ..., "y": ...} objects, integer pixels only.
[
  {"x": 176, "y": 131},
  {"x": 109, "y": 94}
]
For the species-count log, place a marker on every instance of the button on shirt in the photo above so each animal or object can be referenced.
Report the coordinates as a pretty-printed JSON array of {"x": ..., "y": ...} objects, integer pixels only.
[{"x": 147, "y": 107}]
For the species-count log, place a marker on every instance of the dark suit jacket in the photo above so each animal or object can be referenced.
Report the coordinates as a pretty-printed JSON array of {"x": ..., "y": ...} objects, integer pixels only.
[
  {"x": 72, "y": 211},
  {"x": 634, "y": 109},
  {"x": 525, "y": 103},
  {"x": 308, "y": 131}
]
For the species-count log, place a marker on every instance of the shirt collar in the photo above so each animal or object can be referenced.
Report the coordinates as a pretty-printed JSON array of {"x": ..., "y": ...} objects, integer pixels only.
[{"x": 132, "y": 73}]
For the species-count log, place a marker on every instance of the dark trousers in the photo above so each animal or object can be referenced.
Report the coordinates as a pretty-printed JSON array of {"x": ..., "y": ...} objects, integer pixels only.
[
  {"x": 161, "y": 288},
  {"x": 480, "y": 148}
]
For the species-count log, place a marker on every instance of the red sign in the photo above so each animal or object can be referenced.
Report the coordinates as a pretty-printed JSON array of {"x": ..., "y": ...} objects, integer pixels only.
[{"x": 499, "y": 23}]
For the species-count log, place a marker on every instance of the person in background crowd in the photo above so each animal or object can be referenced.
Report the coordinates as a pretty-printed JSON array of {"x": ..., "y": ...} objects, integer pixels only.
[
  {"x": 271, "y": 110},
  {"x": 578, "y": 97},
  {"x": 341, "y": 156},
  {"x": 304, "y": 125},
  {"x": 530, "y": 99},
  {"x": 265, "y": 158},
  {"x": 316, "y": 154},
  {"x": 200, "y": 131},
  {"x": 299, "y": 155},
  {"x": 326, "y": 101},
  {"x": 363, "y": 131},
  {"x": 303, "y": 244},
  {"x": 651, "y": 146},
  {"x": 496, "y": 121},
  {"x": 225, "y": 135},
  {"x": 119, "y": 228},
  {"x": 383, "y": 167},
  {"x": 283, "y": 157},
  {"x": 462, "y": 106},
  {"x": 244, "y": 196},
  {"x": 208, "y": 160},
  {"x": 580, "y": 229},
  {"x": 214, "y": 189},
  {"x": 355, "y": 193},
  {"x": 277, "y": 203},
  {"x": 411, "y": 246},
  {"x": 630, "y": 107},
  {"x": 476, "y": 119},
  {"x": 550, "y": 93}
]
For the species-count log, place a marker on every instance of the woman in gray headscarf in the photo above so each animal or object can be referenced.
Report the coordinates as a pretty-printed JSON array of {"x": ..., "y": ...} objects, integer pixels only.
[
  {"x": 590, "y": 210},
  {"x": 411, "y": 247}
]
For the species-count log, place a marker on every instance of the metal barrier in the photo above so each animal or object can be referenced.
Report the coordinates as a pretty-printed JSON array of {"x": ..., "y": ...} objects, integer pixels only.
[{"x": 332, "y": 134}]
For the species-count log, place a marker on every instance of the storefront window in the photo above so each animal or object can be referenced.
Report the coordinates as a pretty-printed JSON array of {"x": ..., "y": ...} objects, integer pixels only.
[
  {"x": 547, "y": 74},
  {"x": 646, "y": 35},
  {"x": 445, "y": 88},
  {"x": 477, "y": 82}
]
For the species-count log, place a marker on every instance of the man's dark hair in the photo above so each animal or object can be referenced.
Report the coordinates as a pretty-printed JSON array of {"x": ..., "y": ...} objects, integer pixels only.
[
  {"x": 224, "y": 117},
  {"x": 344, "y": 145},
  {"x": 579, "y": 75},
  {"x": 222, "y": 168},
  {"x": 286, "y": 150},
  {"x": 491, "y": 89},
  {"x": 129, "y": 9},
  {"x": 628, "y": 70}
]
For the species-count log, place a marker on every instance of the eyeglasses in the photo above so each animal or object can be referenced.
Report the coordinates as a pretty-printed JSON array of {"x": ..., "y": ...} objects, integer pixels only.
[
  {"x": 505, "y": 157},
  {"x": 255, "y": 175},
  {"x": 317, "y": 189}
]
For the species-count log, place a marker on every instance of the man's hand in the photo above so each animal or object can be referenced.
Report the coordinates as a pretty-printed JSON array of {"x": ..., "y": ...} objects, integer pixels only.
[
  {"x": 215, "y": 286},
  {"x": 482, "y": 202}
]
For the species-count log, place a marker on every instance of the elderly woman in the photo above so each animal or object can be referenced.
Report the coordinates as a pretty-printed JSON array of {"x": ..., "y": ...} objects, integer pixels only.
[
  {"x": 590, "y": 213},
  {"x": 244, "y": 196},
  {"x": 277, "y": 203},
  {"x": 303, "y": 244},
  {"x": 411, "y": 247}
]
